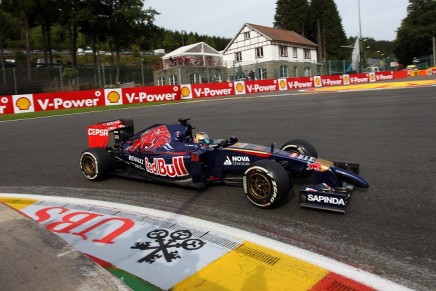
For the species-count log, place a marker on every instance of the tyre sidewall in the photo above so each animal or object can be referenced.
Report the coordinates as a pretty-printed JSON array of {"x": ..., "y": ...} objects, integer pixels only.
[
  {"x": 278, "y": 179},
  {"x": 102, "y": 161}
]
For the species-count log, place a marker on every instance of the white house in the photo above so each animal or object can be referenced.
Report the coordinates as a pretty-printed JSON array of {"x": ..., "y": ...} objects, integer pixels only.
[{"x": 265, "y": 52}]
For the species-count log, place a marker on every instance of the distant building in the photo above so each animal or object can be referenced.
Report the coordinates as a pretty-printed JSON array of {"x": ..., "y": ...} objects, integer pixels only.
[
  {"x": 195, "y": 63},
  {"x": 262, "y": 52},
  {"x": 256, "y": 52}
]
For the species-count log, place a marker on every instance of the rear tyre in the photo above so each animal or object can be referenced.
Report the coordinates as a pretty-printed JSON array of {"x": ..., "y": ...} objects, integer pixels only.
[
  {"x": 300, "y": 146},
  {"x": 266, "y": 184},
  {"x": 95, "y": 163}
]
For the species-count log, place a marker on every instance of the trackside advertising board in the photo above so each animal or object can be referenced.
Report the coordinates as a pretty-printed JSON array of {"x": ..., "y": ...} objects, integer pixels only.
[
  {"x": 190, "y": 91},
  {"x": 26, "y": 103}
]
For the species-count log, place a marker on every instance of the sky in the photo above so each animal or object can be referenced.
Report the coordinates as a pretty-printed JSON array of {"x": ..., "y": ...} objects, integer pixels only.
[{"x": 379, "y": 18}]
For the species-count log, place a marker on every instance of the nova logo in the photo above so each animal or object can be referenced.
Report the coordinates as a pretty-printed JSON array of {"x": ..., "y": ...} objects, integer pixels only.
[{"x": 237, "y": 161}]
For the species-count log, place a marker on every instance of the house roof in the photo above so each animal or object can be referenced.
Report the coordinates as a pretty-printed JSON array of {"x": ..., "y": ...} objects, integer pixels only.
[
  {"x": 199, "y": 48},
  {"x": 282, "y": 35}
]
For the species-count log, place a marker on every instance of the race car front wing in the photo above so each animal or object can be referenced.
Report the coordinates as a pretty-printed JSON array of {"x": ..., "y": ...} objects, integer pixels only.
[{"x": 322, "y": 196}]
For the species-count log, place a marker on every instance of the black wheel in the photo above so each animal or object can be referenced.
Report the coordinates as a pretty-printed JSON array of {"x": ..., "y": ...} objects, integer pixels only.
[
  {"x": 266, "y": 183},
  {"x": 300, "y": 146},
  {"x": 95, "y": 163}
]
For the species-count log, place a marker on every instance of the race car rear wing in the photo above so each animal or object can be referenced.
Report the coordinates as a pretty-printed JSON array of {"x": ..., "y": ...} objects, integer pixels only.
[{"x": 98, "y": 134}]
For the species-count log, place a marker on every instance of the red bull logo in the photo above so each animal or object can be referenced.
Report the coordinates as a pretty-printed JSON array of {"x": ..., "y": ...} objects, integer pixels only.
[
  {"x": 315, "y": 166},
  {"x": 161, "y": 168}
]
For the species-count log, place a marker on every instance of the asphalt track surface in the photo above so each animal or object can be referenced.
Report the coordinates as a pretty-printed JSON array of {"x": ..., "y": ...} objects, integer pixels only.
[{"x": 389, "y": 229}]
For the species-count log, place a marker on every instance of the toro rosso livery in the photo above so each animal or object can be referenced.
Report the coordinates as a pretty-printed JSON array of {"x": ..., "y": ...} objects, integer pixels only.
[{"x": 174, "y": 154}]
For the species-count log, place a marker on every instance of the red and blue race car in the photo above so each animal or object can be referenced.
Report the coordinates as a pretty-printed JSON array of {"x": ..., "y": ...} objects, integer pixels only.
[{"x": 174, "y": 154}]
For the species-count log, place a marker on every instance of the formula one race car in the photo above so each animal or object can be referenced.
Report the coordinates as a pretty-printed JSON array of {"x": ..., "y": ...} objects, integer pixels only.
[{"x": 174, "y": 154}]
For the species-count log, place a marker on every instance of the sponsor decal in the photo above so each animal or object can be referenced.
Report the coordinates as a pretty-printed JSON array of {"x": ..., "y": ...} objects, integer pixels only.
[
  {"x": 165, "y": 242},
  {"x": 113, "y": 96},
  {"x": 240, "y": 88},
  {"x": 207, "y": 92},
  {"x": 300, "y": 85},
  {"x": 237, "y": 161},
  {"x": 143, "y": 97},
  {"x": 357, "y": 80},
  {"x": 382, "y": 77},
  {"x": 23, "y": 103},
  {"x": 98, "y": 132},
  {"x": 314, "y": 166},
  {"x": 282, "y": 84},
  {"x": 331, "y": 82},
  {"x": 73, "y": 222},
  {"x": 346, "y": 80},
  {"x": 325, "y": 199},
  {"x": 317, "y": 81},
  {"x": 161, "y": 168},
  {"x": 136, "y": 160},
  {"x": 372, "y": 77},
  {"x": 59, "y": 103},
  {"x": 186, "y": 91},
  {"x": 153, "y": 138},
  {"x": 261, "y": 88}
]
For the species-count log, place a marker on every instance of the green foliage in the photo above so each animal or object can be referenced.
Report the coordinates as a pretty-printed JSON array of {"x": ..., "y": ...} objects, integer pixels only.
[
  {"x": 414, "y": 37},
  {"x": 292, "y": 15},
  {"x": 70, "y": 73}
]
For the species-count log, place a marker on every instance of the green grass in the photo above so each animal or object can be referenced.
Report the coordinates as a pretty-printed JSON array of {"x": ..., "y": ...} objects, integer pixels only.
[{"x": 9, "y": 117}]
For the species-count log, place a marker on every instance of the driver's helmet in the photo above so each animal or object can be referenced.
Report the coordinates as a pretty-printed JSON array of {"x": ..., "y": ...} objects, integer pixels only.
[{"x": 202, "y": 138}]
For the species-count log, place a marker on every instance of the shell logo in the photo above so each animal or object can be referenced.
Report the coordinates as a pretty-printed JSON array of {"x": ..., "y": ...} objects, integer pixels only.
[
  {"x": 23, "y": 103},
  {"x": 346, "y": 79},
  {"x": 318, "y": 81},
  {"x": 372, "y": 77},
  {"x": 240, "y": 88},
  {"x": 185, "y": 92},
  {"x": 282, "y": 84},
  {"x": 113, "y": 97}
]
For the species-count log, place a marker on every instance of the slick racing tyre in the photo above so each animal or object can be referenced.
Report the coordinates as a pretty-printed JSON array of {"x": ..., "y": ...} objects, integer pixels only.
[
  {"x": 266, "y": 183},
  {"x": 95, "y": 163},
  {"x": 300, "y": 146}
]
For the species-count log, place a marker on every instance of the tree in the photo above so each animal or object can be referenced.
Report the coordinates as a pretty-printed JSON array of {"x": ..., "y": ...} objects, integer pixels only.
[
  {"x": 414, "y": 37},
  {"x": 292, "y": 15},
  {"x": 325, "y": 28}
]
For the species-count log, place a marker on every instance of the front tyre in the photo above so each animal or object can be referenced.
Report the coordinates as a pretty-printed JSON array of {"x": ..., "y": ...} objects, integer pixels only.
[
  {"x": 95, "y": 163},
  {"x": 266, "y": 184}
]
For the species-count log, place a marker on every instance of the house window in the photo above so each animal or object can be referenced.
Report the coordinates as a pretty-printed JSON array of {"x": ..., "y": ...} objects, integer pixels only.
[
  {"x": 238, "y": 56},
  {"x": 283, "y": 71},
  {"x": 259, "y": 52},
  {"x": 247, "y": 35},
  {"x": 160, "y": 81},
  {"x": 295, "y": 52},
  {"x": 172, "y": 80},
  {"x": 307, "y": 53},
  {"x": 283, "y": 51},
  {"x": 295, "y": 71},
  {"x": 307, "y": 72},
  {"x": 261, "y": 72}
]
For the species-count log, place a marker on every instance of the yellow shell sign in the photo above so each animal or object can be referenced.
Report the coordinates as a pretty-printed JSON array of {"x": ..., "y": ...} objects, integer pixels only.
[
  {"x": 113, "y": 97},
  {"x": 185, "y": 91},
  {"x": 23, "y": 103}
]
